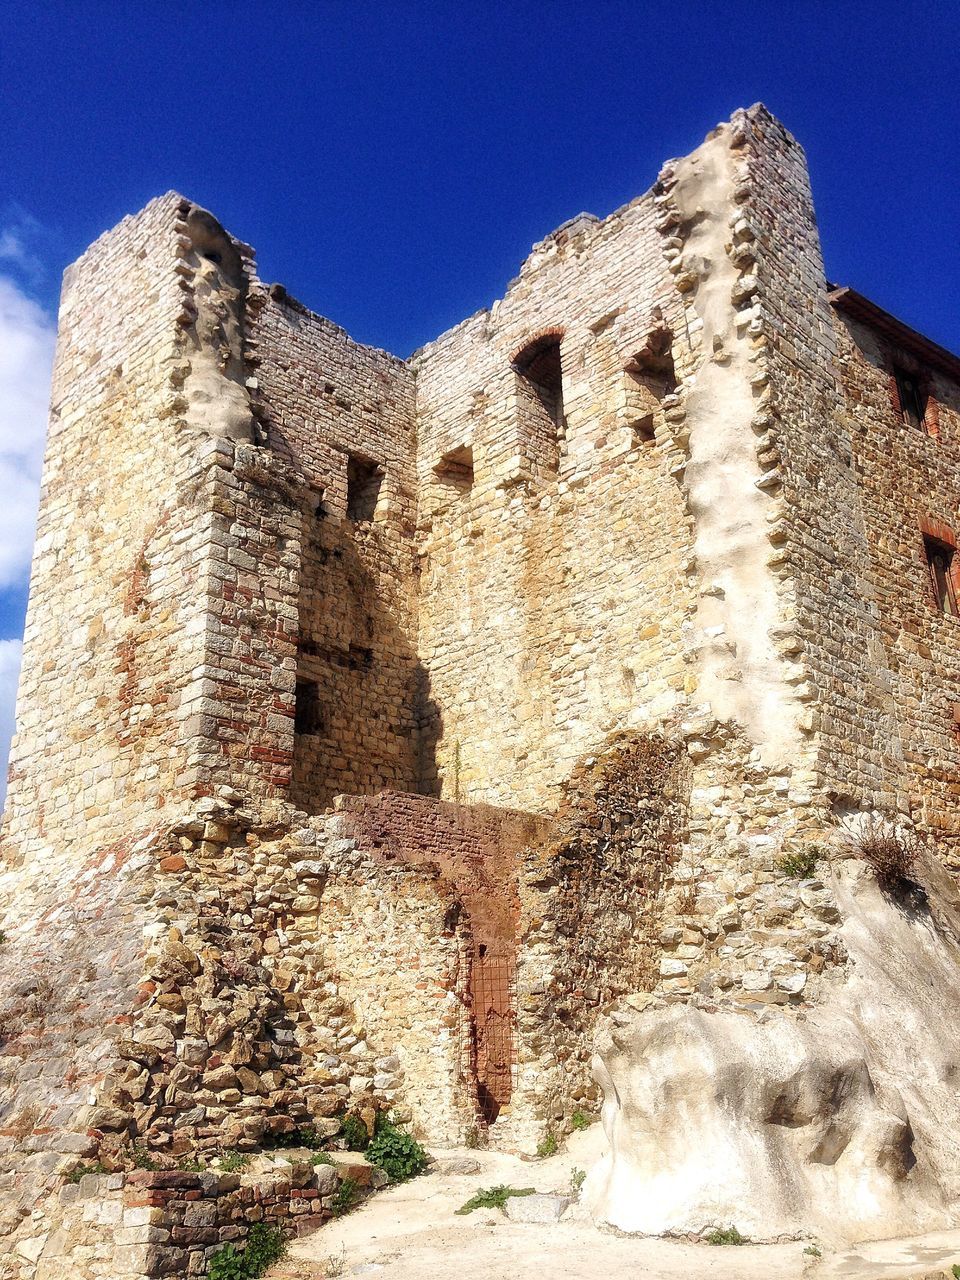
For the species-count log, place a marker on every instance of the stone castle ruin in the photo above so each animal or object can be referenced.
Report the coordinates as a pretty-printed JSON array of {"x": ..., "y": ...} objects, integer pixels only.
[{"x": 483, "y": 737}]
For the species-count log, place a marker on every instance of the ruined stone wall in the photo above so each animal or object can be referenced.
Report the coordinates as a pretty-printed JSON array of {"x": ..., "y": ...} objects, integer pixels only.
[
  {"x": 907, "y": 680},
  {"x": 116, "y": 614},
  {"x": 146, "y": 1224},
  {"x": 554, "y": 585},
  {"x": 230, "y": 977},
  {"x": 477, "y": 850},
  {"x": 829, "y": 634},
  {"x": 322, "y": 400},
  {"x": 593, "y": 904}
]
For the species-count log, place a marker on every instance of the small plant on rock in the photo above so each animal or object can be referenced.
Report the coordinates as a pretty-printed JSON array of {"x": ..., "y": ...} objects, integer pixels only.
[
  {"x": 142, "y": 1158},
  {"x": 577, "y": 1179},
  {"x": 306, "y": 1136},
  {"x": 580, "y": 1120},
  {"x": 320, "y": 1157},
  {"x": 548, "y": 1146},
  {"x": 814, "y": 1251},
  {"x": 227, "y": 1264},
  {"x": 265, "y": 1246},
  {"x": 354, "y": 1133},
  {"x": 335, "y": 1264},
  {"x": 726, "y": 1235},
  {"x": 82, "y": 1169},
  {"x": 345, "y": 1197},
  {"x": 891, "y": 853},
  {"x": 233, "y": 1161},
  {"x": 955, "y": 1271},
  {"x": 801, "y": 864},
  {"x": 397, "y": 1153},
  {"x": 494, "y": 1198}
]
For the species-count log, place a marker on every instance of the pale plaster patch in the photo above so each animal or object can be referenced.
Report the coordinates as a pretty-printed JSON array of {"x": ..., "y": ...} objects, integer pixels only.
[{"x": 741, "y": 673}]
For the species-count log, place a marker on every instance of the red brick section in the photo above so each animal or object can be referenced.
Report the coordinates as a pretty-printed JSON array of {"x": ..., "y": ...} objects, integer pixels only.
[
  {"x": 476, "y": 849},
  {"x": 539, "y": 336}
]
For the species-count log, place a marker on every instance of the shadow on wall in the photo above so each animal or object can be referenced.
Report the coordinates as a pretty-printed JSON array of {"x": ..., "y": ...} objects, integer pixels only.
[{"x": 364, "y": 719}]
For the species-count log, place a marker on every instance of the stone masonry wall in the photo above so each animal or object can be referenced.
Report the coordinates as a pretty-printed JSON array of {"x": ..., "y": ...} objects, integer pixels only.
[
  {"x": 552, "y": 598},
  {"x": 323, "y": 399},
  {"x": 145, "y": 1224},
  {"x": 116, "y": 615},
  {"x": 477, "y": 850},
  {"x": 909, "y": 479}
]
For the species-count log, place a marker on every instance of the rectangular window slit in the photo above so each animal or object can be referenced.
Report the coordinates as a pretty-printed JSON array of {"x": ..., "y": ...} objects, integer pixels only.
[
  {"x": 913, "y": 403},
  {"x": 940, "y": 566},
  {"x": 310, "y": 714},
  {"x": 364, "y": 478}
]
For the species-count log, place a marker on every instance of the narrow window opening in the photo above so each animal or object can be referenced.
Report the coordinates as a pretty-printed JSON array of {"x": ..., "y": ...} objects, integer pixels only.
[
  {"x": 539, "y": 366},
  {"x": 644, "y": 430},
  {"x": 363, "y": 488},
  {"x": 649, "y": 377},
  {"x": 913, "y": 403},
  {"x": 319, "y": 504},
  {"x": 359, "y": 657},
  {"x": 940, "y": 565},
  {"x": 309, "y": 716},
  {"x": 455, "y": 471}
]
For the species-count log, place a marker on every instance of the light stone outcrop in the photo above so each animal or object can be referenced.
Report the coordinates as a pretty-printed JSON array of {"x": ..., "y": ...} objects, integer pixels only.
[{"x": 839, "y": 1121}]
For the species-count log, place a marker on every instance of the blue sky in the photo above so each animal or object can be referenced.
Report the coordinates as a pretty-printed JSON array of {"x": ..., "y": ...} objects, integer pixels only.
[{"x": 394, "y": 162}]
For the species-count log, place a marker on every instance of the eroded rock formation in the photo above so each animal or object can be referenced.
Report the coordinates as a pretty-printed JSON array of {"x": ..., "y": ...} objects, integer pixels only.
[{"x": 840, "y": 1120}]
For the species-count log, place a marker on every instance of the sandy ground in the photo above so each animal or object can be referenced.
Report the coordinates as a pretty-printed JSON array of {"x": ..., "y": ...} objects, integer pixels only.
[{"x": 412, "y": 1232}]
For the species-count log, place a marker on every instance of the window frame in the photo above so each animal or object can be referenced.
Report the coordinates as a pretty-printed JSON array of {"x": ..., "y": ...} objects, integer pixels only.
[
  {"x": 910, "y": 388},
  {"x": 942, "y": 564}
]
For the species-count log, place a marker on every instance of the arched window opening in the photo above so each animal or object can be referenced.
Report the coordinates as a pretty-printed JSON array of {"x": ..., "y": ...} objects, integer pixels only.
[
  {"x": 541, "y": 424},
  {"x": 942, "y": 569},
  {"x": 539, "y": 365}
]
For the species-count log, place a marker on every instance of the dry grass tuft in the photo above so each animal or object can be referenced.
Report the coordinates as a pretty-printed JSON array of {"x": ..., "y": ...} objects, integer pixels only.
[{"x": 892, "y": 853}]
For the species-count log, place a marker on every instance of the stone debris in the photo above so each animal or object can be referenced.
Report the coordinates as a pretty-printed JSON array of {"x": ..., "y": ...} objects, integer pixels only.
[{"x": 537, "y": 1208}]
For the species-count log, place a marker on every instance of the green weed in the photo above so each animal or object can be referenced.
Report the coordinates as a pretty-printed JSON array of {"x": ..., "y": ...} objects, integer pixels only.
[
  {"x": 800, "y": 865},
  {"x": 345, "y": 1197},
  {"x": 265, "y": 1246},
  {"x": 233, "y": 1161},
  {"x": 400, "y": 1156},
  {"x": 548, "y": 1146},
  {"x": 726, "y": 1235},
  {"x": 494, "y": 1198}
]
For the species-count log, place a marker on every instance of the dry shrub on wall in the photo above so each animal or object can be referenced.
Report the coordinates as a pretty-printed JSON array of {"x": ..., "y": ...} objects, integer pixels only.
[{"x": 891, "y": 852}]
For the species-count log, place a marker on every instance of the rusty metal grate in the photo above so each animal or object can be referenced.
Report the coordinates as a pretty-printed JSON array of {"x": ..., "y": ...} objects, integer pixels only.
[{"x": 492, "y": 1027}]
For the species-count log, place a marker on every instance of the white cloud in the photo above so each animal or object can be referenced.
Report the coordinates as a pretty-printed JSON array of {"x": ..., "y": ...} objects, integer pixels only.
[
  {"x": 27, "y": 336},
  {"x": 9, "y": 670}
]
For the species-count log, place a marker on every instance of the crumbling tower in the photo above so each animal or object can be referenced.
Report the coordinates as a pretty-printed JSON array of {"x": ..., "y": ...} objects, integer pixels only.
[{"x": 588, "y": 613}]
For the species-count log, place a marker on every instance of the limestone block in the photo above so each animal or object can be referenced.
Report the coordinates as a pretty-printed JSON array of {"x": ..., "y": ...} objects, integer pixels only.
[{"x": 539, "y": 1208}]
